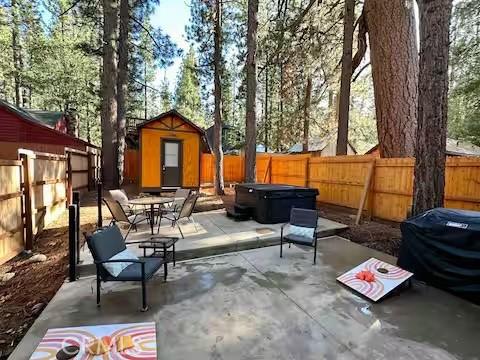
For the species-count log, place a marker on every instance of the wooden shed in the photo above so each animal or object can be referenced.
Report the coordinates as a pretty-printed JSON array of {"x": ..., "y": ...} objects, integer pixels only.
[{"x": 169, "y": 152}]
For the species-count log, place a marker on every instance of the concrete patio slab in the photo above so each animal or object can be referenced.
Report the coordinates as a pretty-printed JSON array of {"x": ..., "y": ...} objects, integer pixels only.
[
  {"x": 214, "y": 233},
  {"x": 254, "y": 305}
]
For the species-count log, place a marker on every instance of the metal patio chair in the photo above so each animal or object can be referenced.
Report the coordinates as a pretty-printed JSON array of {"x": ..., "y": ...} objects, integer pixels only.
[
  {"x": 184, "y": 212},
  {"x": 301, "y": 230},
  {"x": 108, "y": 242},
  {"x": 121, "y": 196},
  {"x": 119, "y": 216},
  {"x": 178, "y": 199}
]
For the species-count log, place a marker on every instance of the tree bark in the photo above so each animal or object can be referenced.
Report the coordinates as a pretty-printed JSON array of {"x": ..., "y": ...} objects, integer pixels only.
[
  {"x": 346, "y": 77},
  {"x": 16, "y": 51},
  {"x": 429, "y": 180},
  {"x": 251, "y": 112},
  {"x": 306, "y": 114},
  {"x": 394, "y": 59},
  {"x": 109, "y": 94},
  {"x": 122, "y": 85},
  {"x": 217, "y": 129},
  {"x": 265, "y": 120}
]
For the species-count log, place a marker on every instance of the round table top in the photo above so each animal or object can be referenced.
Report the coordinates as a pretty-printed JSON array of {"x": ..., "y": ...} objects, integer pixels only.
[{"x": 150, "y": 200}]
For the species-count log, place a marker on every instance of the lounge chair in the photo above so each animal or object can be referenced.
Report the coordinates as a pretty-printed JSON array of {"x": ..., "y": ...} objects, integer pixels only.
[
  {"x": 301, "y": 230},
  {"x": 184, "y": 212},
  {"x": 108, "y": 242},
  {"x": 119, "y": 216}
]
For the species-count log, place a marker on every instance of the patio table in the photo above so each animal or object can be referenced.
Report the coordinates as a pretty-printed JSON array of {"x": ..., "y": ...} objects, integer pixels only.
[
  {"x": 160, "y": 245},
  {"x": 151, "y": 201}
]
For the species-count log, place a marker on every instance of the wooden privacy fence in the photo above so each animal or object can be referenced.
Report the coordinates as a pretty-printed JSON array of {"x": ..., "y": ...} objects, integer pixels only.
[
  {"x": 130, "y": 171},
  {"x": 384, "y": 187},
  {"x": 34, "y": 191}
]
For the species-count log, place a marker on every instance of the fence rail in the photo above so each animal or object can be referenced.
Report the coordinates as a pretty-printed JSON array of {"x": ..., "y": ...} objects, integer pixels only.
[{"x": 34, "y": 191}]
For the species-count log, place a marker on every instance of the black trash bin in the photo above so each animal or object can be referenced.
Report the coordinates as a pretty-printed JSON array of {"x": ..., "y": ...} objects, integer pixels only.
[{"x": 442, "y": 248}]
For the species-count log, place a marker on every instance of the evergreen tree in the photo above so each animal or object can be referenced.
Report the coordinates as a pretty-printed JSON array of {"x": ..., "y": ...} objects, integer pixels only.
[
  {"x": 187, "y": 91},
  {"x": 464, "y": 104},
  {"x": 165, "y": 95}
]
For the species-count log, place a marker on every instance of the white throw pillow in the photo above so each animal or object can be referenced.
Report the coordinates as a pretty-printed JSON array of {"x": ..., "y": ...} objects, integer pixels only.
[
  {"x": 115, "y": 268},
  {"x": 300, "y": 231}
]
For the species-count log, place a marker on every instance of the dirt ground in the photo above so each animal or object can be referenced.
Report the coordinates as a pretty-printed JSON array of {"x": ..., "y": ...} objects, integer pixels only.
[
  {"x": 378, "y": 235},
  {"x": 35, "y": 283}
]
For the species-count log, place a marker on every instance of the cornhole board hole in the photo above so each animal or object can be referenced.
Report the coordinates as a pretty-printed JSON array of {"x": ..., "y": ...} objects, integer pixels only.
[
  {"x": 143, "y": 336},
  {"x": 387, "y": 278}
]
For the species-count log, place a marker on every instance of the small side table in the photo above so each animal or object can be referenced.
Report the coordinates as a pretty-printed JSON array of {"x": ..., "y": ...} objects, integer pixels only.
[{"x": 160, "y": 246}]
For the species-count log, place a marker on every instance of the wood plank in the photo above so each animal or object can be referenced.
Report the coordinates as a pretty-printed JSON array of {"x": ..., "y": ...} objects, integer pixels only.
[
  {"x": 11, "y": 195},
  {"x": 10, "y": 162},
  {"x": 366, "y": 188},
  {"x": 48, "y": 182}
]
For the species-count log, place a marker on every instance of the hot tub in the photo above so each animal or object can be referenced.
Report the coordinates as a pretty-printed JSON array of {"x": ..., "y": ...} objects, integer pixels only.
[{"x": 270, "y": 203}]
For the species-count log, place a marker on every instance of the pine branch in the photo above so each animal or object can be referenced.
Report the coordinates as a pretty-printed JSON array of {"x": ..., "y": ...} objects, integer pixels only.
[
  {"x": 360, "y": 71},
  {"x": 70, "y": 8}
]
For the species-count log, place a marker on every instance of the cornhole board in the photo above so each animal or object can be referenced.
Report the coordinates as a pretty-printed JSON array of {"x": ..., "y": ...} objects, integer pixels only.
[
  {"x": 384, "y": 282},
  {"x": 143, "y": 335}
]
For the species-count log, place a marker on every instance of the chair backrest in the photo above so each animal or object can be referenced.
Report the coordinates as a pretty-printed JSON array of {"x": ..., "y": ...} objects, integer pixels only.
[
  {"x": 105, "y": 242},
  {"x": 304, "y": 217},
  {"x": 117, "y": 211},
  {"x": 179, "y": 198},
  {"x": 188, "y": 207},
  {"x": 119, "y": 195}
]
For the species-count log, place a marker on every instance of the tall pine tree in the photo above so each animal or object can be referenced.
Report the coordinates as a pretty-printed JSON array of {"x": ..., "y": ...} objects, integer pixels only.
[{"x": 187, "y": 91}]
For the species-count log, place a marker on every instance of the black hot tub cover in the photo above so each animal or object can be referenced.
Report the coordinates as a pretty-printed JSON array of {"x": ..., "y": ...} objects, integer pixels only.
[{"x": 442, "y": 248}]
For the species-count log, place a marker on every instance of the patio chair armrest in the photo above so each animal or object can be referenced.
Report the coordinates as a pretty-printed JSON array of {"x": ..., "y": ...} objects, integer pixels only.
[{"x": 133, "y": 261}]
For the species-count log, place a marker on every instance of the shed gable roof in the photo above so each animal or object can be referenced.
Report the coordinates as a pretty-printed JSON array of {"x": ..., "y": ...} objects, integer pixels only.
[{"x": 172, "y": 112}]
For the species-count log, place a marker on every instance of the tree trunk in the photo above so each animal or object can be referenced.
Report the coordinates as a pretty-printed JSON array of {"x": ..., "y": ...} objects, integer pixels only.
[
  {"x": 109, "y": 93},
  {"x": 122, "y": 85},
  {"x": 280, "y": 125},
  {"x": 346, "y": 77},
  {"x": 251, "y": 113},
  {"x": 145, "y": 92},
  {"x": 394, "y": 59},
  {"x": 16, "y": 51},
  {"x": 306, "y": 114},
  {"x": 217, "y": 63},
  {"x": 429, "y": 180},
  {"x": 265, "y": 120}
]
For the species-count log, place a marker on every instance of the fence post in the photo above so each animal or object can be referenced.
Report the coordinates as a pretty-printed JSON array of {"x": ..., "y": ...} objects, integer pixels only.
[
  {"x": 307, "y": 171},
  {"x": 72, "y": 242},
  {"x": 89, "y": 174},
  {"x": 28, "y": 190},
  {"x": 99, "y": 204},
  {"x": 371, "y": 194},
  {"x": 76, "y": 202},
  {"x": 69, "y": 178}
]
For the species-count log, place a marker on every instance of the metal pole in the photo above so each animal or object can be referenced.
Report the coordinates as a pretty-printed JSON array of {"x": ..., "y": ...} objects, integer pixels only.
[
  {"x": 99, "y": 204},
  {"x": 76, "y": 201},
  {"x": 72, "y": 236}
]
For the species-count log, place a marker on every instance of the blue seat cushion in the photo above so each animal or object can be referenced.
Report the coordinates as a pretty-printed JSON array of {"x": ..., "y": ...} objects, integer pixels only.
[
  {"x": 133, "y": 272},
  {"x": 301, "y": 240}
]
